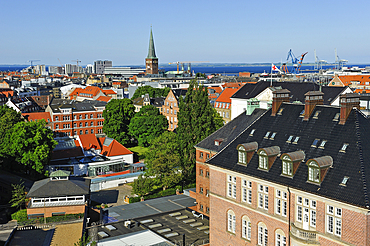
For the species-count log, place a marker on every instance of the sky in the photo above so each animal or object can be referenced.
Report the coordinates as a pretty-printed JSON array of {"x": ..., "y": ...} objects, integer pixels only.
[{"x": 216, "y": 31}]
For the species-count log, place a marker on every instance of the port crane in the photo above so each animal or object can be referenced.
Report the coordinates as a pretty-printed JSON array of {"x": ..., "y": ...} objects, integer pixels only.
[
  {"x": 183, "y": 62},
  {"x": 318, "y": 62},
  {"x": 297, "y": 62},
  {"x": 339, "y": 63}
]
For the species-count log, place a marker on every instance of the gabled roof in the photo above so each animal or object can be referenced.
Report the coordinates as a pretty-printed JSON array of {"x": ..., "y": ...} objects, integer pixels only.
[
  {"x": 297, "y": 90},
  {"x": 111, "y": 147},
  {"x": 109, "y": 92},
  {"x": 225, "y": 95},
  {"x": 352, "y": 162},
  {"x": 52, "y": 188},
  {"x": 89, "y": 141},
  {"x": 104, "y": 98},
  {"x": 348, "y": 79}
]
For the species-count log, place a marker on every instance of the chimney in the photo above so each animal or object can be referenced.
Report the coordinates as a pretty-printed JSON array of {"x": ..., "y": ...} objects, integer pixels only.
[
  {"x": 312, "y": 98},
  {"x": 347, "y": 103},
  {"x": 278, "y": 97}
]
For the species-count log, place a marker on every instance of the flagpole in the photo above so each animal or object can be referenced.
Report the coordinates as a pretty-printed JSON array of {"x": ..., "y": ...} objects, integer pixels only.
[{"x": 271, "y": 75}]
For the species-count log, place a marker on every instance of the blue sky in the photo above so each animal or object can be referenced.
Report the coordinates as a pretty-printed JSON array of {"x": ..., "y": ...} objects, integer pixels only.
[{"x": 214, "y": 31}]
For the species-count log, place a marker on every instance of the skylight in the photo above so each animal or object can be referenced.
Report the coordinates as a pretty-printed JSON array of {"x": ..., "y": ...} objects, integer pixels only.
[
  {"x": 280, "y": 111},
  {"x": 322, "y": 145},
  {"x": 252, "y": 132},
  {"x": 316, "y": 115},
  {"x": 344, "y": 147},
  {"x": 296, "y": 140},
  {"x": 315, "y": 142},
  {"x": 302, "y": 113},
  {"x": 344, "y": 181},
  {"x": 336, "y": 117},
  {"x": 290, "y": 138},
  {"x": 273, "y": 135},
  {"x": 267, "y": 134}
]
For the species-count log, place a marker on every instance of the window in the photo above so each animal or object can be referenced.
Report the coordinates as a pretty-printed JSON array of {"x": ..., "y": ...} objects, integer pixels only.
[
  {"x": 315, "y": 142},
  {"x": 91, "y": 123},
  {"x": 81, "y": 132},
  {"x": 313, "y": 172},
  {"x": 306, "y": 212},
  {"x": 201, "y": 190},
  {"x": 280, "y": 111},
  {"x": 287, "y": 168},
  {"x": 207, "y": 174},
  {"x": 86, "y": 132},
  {"x": 296, "y": 140},
  {"x": 86, "y": 116},
  {"x": 91, "y": 116},
  {"x": 316, "y": 115},
  {"x": 80, "y": 117},
  {"x": 252, "y": 132},
  {"x": 246, "y": 228},
  {"x": 207, "y": 193},
  {"x": 207, "y": 156},
  {"x": 267, "y": 134},
  {"x": 302, "y": 113},
  {"x": 322, "y": 145},
  {"x": 231, "y": 221},
  {"x": 231, "y": 186},
  {"x": 336, "y": 117},
  {"x": 344, "y": 147},
  {"x": 80, "y": 124},
  {"x": 262, "y": 234},
  {"x": 56, "y": 126},
  {"x": 263, "y": 198},
  {"x": 201, "y": 172},
  {"x": 74, "y": 124},
  {"x": 334, "y": 220},
  {"x": 201, "y": 207},
  {"x": 201, "y": 155},
  {"x": 242, "y": 155},
  {"x": 344, "y": 181},
  {"x": 92, "y": 131},
  {"x": 86, "y": 124},
  {"x": 280, "y": 240},
  {"x": 207, "y": 210},
  {"x": 56, "y": 118},
  {"x": 263, "y": 160},
  {"x": 273, "y": 135},
  {"x": 290, "y": 138},
  {"x": 281, "y": 203}
]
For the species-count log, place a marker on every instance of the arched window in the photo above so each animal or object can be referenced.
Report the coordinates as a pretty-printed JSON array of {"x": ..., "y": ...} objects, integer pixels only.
[
  {"x": 246, "y": 228},
  {"x": 280, "y": 238},
  {"x": 262, "y": 234},
  {"x": 231, "y": 221},
  {"x": 263, "y": 160},
  {"x": 242, "y": 155}
]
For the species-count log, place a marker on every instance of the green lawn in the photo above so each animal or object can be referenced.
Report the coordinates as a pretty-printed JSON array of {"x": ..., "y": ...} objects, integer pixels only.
[{"x": 140, "y": 151}]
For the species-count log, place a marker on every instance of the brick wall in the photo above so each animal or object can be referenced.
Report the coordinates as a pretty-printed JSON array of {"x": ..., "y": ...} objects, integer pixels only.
[{"x": 47, "y": 211}]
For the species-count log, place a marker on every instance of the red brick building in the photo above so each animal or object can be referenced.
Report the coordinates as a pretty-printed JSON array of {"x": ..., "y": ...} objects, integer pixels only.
[
  {"x": 294, "y": 174},
  {"x": 170, "y": 107},
  {"x": 72, "y": 118}
]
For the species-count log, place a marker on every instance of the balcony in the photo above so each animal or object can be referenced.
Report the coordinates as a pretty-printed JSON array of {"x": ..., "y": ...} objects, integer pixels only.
[{"x": 304, "y": 235}]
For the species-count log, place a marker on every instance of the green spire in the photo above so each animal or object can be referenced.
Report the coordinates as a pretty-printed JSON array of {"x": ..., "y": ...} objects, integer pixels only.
[{"x": 151, "y": 52}]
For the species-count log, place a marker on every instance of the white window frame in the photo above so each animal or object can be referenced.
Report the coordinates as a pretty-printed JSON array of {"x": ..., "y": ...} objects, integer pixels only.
[
  {"x": 231, "y": 221},
  {"x": 231, "y": 186},
  {"x": 334, "y": 220},
  {"x": 246, "y": 228},
  {"x": 280, "y": 240}
]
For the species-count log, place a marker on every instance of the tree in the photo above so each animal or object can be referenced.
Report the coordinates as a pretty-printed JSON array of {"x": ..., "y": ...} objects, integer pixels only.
[
  {"x": 143, "y": 185},
  {"x": 162, "y": 160},
  {"x": 8, "y": 118},
  {"x": 85, "y": 241},
  {"x": 153, "y": 92},
  {"x": 117, "y": 116},
  {"x": 147, "y": 124},
  {"x": 18, "y": 195},
  {"x": 197, "y": 119},
  {"x": 31, "y": 144}
]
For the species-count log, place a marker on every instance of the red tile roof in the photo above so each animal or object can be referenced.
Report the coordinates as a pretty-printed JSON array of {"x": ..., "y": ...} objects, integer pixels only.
[
  {"x": 104, "y": 98},
  {"x": 109, "y": 92},
  {"x": 348, "y": 79},
  {"x": 89, "y": 141},
  {"x": 37, "y": 116},
  {"x": 226, "y": 94},
  {"x": 114, "y": 149}
]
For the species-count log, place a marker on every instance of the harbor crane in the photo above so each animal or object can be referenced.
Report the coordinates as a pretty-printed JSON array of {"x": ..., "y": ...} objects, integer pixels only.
[
  {"x": 339, "y": 63},
  {"x": 77, "y": 61},
  {"x": 297, "y": 62},
  {"x": 318, "y": 62},
  {"x": 183, "y": 62}
]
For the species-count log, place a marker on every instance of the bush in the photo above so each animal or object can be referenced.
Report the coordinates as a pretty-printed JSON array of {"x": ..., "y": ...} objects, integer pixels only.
[{"x": 20, "y": 215}]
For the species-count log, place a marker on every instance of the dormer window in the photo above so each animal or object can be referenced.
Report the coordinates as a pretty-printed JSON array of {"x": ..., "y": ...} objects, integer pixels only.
[
  {"x": 263, "y": 160},
  {"x": 318, "y": 167},
  {"x": 246, "y": 151},
  {"x": 267, "y": 157},
  {"x": 291, "y": 161},
  {"x": 218, "y": 141}
]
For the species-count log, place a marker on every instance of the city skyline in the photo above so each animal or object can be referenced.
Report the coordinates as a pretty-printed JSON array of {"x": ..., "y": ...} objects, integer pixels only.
[{"x": 224, "y": 32}]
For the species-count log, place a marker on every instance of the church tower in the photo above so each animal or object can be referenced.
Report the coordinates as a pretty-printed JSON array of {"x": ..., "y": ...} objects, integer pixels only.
[{"x": 151, "y": 61}]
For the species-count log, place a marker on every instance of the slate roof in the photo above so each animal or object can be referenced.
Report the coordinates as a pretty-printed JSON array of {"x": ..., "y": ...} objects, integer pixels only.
[
  {"x": 53, "y": 188},
  {"x": 229, "y": 131},
  {"x": 86, "y": 105},
  {"x": 353, "y": 163},
  {"x": 297, "y": 90}
]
